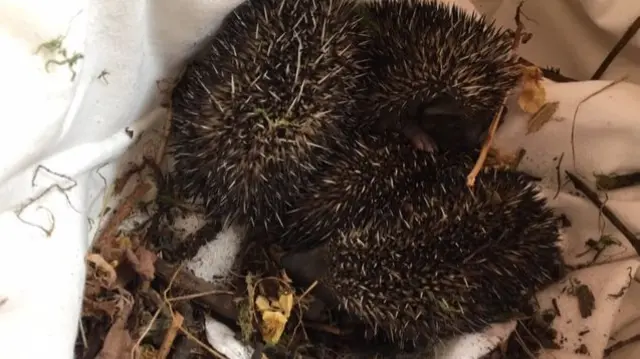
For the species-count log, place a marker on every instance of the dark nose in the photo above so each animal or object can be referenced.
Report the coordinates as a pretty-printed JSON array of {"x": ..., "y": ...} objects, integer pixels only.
[{"x": 443, "y": 105}]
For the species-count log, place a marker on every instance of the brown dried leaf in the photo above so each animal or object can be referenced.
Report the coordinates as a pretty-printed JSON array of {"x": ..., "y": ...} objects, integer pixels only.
[
  {"x": 143, "y": 262},
  {"x": 98, "y": 308},
  {"x": 118, "y": 342},
  {"x": 533, "y": 94},
  {"x": 504, "y": 160},
  {"x": 109, "y": 277},
  {"x": 272, "y": 326},
  {"x": 544, "y": 115}
]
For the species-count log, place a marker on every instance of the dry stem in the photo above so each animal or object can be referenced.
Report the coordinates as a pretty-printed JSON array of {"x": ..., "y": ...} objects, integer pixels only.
[
  {"x": 176, "y": 323},
  {"x": 471, "y": 178},
  {"x": 631, "y": 31},
  {"x": 593, "y": 197}
]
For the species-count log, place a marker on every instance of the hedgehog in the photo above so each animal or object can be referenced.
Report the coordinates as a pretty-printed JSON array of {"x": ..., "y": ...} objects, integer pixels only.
[
  {"x": 396, "y": 239},
  {"x": 259, "y": 111},
  {"x": 438, "y": 73}
]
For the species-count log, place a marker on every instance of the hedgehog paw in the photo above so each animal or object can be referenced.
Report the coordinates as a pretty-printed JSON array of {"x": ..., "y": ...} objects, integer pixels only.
[{"x": 422, "y": 141}]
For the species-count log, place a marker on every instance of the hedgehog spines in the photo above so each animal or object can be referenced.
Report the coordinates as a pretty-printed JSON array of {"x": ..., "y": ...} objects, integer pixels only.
[
  {"x": 258, "y": 114},
  {"x": 419, "y": 254},
  {"x": 423, "y": 51}
]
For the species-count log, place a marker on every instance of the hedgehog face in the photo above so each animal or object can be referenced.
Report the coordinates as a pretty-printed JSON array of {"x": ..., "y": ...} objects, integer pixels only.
[{"x": 425, "y": 53}]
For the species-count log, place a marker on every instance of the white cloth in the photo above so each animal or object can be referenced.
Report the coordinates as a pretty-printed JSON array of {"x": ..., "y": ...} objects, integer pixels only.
[{"x": 76, "y": 127}]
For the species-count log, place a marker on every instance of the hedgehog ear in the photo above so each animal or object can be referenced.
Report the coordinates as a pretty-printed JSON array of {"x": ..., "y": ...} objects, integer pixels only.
[{"x": 443, "y": 105}]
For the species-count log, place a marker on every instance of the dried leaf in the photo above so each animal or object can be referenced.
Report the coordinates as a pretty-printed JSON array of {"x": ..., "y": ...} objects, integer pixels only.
[
  {"x": 509, "y": 160},
  {"x": 143, "y": 262},
  {"x": 614, "y": 181},
  {"x": 540, "y": 118},
  {"x": 109, "y": 277},
  {"x": 262, "y": 304},
  {"x": 533, "y": 94},
  {"x": 286, "y": 303},
  {"x": 96, "y": 308},
  {"x": 272, "y": 326},
  {"x": 118, "y": 342}
]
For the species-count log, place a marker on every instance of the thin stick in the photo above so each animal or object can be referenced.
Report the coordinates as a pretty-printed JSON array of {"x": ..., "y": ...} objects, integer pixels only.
[
  {"x": 620, "y": 45},
  {"x": 204, "y": 346},
  {"x": 176, "y": 323},
  {"x": 575, "y": 115},
  {"x": 198, "y": 295},
  {"x": 471, "y": 178},
  {"x": 218, "y": 301},
  {"x": 593, "y": 197},
  {"x": 621, "y": 344}
]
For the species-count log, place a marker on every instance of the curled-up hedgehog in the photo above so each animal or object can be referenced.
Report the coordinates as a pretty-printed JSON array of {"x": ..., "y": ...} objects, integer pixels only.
[
  {"x": 258, "y": 112},
  {"x": 395, "y": 237},
  {"x": 438, "y": 73}
]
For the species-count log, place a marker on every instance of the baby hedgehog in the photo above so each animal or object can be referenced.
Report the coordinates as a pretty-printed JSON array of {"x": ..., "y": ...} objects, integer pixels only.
[
  {"x": 256, "y": 115},
  {"x": 438, "y": 73},
  {"x": 396, "y": 238}
]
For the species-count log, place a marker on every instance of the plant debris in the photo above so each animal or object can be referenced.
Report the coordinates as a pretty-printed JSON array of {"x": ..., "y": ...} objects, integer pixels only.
[
  {"x": 530, "y": 336},
  {"x": 495, "y": 158},
  {"x": 533, "y": 95},
  {"x": 615, "y": 181},
  {"x": 499, "y": 116},
  {"x": 586, "y": 299},
  {"x": 621, "y": 44},
  {"x": 599, "y": 246},
  {"x": 593, "y": 197},
  {"x": 542, "y": 116}
]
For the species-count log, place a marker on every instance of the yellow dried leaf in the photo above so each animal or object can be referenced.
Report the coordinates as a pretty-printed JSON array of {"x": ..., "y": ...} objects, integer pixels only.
[
  {"x": 262, "y": 304},
  {"x": 533, "y": 94},
  {"x": 286, "y": 303},
  {"x": 272, "y": 326},
  {"x": 540, "y": 118},
  {"x": 275, "y": 305}
]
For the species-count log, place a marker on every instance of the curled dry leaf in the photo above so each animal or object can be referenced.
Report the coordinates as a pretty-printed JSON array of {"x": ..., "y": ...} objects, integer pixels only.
[
  {"x": 272, "y": 326},
  {"x": 98, "y": 308},
  {"x": 274, "y": 315},
  {"x": 262, "y": 304},
  {"x": 497, "y": 158},
  {"x": 118, "y": 342},
  {"x": 109, "y": 278},
  {"x": 533, "y": 94},
  {"x": 286, "y": 303},
  {"x": 143, "y": 262}
]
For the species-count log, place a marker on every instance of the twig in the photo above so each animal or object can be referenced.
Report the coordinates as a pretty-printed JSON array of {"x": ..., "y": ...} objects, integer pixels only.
[
  {"x": 558, "y": 176},
  {"x": 593, "y": 197},
  {"x": 619, "y": 46},
  {"x": 122, "y": 213},
  {"x": 471, "y": 178},
  {"x": 136, "y": 346},
  {"x": 176, "y": 323},
  {"x": 621, "y": 344},
  {"x": 198, "y": 295},
  {"x": 183, "y": 346},
  {"x": 575, "y": 115},
  {"x": 222, "y": 304}
]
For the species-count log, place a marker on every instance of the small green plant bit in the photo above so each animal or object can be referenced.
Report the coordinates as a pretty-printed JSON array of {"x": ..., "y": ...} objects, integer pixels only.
[
  {"x": 51, "y": 45},
  {"x": 55, "y": 45}
]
